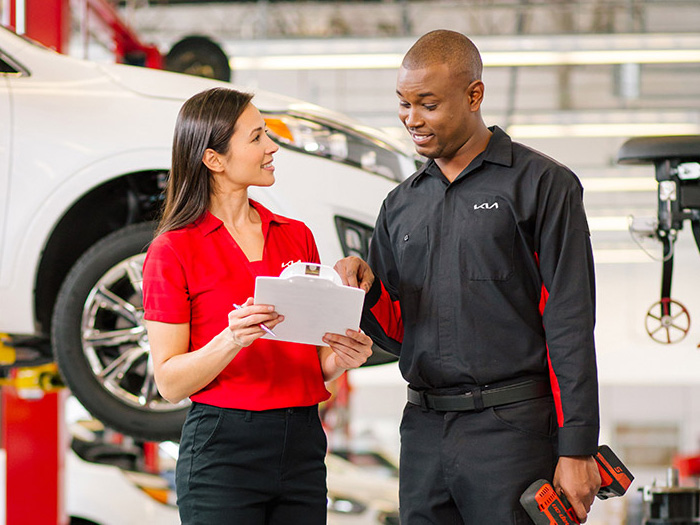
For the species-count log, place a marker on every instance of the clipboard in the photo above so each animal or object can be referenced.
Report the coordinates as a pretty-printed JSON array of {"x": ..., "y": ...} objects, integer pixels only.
[{"x": 313, "y": 301}]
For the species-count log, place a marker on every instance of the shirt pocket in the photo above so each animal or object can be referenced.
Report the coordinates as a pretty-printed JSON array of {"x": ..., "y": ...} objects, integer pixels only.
[
  {"x": 413, "y": 252},
  {"x": 487, "y": 238}
]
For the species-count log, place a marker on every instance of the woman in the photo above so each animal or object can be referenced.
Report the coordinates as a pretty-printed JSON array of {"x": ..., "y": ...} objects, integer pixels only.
[{"x": 252, "y": 447}]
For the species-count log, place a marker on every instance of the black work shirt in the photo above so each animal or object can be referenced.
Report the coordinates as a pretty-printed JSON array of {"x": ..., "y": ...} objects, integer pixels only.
[{"x": 490, "y": 280}]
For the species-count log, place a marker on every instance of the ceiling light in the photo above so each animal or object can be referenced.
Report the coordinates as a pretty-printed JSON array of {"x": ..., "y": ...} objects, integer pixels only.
[
  {"x": 618, "y": 184},
  {"x": 634, "y": 256},
  {"x": 602, "y": 130},
  {"x": 608, "y": 224}
]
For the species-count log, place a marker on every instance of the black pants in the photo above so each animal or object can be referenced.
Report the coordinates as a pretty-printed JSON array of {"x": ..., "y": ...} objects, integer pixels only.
[
  {"x": 471, "y": 467},
  {"x": 252, "y": 468}
]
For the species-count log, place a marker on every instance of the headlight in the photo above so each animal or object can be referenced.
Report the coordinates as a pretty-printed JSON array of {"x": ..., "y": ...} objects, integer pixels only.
[
  {"x": 354, "y": 237},
  {"x": 337, "y": 142},
  {"x": 342, "y": 505}
]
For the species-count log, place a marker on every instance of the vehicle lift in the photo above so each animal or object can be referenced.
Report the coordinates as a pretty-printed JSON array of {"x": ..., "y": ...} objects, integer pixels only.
[
  {"x": 49, "y": 22},
  {"x": 35, "y": 439}
]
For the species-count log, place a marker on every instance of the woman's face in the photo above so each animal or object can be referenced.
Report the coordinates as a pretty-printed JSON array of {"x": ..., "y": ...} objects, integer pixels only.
[{"x": 249, "y": 158}]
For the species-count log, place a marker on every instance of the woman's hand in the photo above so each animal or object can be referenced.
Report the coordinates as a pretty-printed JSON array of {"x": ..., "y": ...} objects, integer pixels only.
[
  {"x": 180, "y": 373},
  {"x": 344, "y": 352},
  {"x": 244, "y": 322}
]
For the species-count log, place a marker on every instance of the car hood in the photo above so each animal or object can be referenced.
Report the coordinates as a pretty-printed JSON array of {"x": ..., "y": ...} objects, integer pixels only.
[
  {"x": 157, "y": 83},
  {"x": 177, "y": 86}
]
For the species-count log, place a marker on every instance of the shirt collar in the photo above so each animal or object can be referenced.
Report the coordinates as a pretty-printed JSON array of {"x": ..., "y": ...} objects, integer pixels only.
[
  {"x": 499, "y": 150},
  {"x": 208, "y": 222}
]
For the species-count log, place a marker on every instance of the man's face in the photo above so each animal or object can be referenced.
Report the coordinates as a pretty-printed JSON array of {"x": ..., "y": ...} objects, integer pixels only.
[{"x": 434, "y": 106}]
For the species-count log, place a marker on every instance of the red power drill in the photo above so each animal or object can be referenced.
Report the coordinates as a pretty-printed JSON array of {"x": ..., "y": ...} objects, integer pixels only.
[{"x": 546, "y": 507}]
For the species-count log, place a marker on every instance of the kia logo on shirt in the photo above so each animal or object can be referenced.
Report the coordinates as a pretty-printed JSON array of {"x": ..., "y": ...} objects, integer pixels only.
[
  {"x": 289, "y": 263},
  {"x": 486, "y": 206}
]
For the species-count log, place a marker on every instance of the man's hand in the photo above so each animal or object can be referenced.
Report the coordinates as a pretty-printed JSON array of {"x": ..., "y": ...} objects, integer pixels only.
[
  {"x": 355, "y": 272},
  {"x": 578, "y": 478}
]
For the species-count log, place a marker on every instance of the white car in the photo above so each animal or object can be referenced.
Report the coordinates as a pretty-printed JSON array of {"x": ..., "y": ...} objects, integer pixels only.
[
  {"x": 84, "y": 154},
  {"x": 103, "y": 487}
]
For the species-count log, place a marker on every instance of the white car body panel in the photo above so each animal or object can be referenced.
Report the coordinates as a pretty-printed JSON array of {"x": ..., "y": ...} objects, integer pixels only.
[
  {"x": 102, "y": 494},
  {"x": 5, "y": 123},
  {"x": 85, "y": 143},
  {"x": 33, "y": 227}
]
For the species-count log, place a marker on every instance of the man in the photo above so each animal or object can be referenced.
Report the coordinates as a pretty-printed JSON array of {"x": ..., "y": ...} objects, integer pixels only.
[{"x": 485, "y": 289}]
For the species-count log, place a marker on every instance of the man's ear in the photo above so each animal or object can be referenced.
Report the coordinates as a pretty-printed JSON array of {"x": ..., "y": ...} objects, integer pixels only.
[
  {"x": 212, "y": 160},
  {"x": 475, "y": 92}
]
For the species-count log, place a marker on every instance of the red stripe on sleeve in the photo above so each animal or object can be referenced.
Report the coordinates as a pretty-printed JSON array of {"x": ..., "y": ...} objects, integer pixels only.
[
  {"x": 388, "y": 314},
  {"x": 553, "y": 381}
]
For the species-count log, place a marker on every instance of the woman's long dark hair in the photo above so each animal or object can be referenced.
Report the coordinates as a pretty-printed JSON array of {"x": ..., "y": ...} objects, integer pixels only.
[{"x": 206, "y": 120}]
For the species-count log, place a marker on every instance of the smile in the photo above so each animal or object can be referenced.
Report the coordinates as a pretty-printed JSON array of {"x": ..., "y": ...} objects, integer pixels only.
[{"x": 421, "y": 139}]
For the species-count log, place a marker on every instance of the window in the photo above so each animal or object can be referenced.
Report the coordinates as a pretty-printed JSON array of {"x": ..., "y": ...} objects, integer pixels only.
[
  {"x": 6, "y": 67},
  {"x": 9, "y": 66}
]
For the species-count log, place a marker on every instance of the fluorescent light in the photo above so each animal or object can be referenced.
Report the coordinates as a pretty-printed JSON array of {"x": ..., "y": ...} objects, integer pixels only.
[
  {"x": 602, "y": 57},
  {"x": 608, "y": 224},
  {"x": 310, "y": 62},
  {"x": 621, "y": 257},
  {"x": 602, "y": 130},
  {"x": 618, "y": 184},
  {"x": 490, "y": 59}
]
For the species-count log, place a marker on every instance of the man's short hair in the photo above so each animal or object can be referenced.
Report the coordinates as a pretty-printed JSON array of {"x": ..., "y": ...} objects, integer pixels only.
[{"x": 445, "y": 47}]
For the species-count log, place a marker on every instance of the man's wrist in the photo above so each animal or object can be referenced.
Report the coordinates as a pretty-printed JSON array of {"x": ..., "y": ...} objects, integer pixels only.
[{"x": 374, "y": 293}]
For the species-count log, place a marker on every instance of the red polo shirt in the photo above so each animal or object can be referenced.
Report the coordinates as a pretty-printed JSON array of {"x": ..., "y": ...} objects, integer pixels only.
[{"x": 195, "y": 274}]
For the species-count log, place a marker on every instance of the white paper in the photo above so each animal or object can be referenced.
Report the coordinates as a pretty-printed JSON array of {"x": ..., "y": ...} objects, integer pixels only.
[{"x": 313, "y": 301}]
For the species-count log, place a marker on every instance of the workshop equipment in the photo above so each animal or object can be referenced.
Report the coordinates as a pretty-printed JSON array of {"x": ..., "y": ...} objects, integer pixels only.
[
  {"x": 672, "y": 504},
  {"x": 35, "y": 438},
  {"x": 676, "y": 162},
  {"x": 546, "y": 507}
]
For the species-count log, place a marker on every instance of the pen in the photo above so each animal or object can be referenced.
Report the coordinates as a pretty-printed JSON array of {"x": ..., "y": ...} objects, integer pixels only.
[{"x": 238, "y": 307}]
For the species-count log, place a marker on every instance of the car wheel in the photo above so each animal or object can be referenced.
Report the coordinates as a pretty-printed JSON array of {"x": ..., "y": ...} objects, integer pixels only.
[
  {"x": 100, "y": 341},
  {"x": 199, "y": 56}
]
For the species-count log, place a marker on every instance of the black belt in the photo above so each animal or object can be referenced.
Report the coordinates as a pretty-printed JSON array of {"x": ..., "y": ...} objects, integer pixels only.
[{"x": 480, "y": 398}]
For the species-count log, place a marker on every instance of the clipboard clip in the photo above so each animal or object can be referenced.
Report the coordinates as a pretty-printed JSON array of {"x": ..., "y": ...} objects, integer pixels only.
[{"x": 311, "y": 270}]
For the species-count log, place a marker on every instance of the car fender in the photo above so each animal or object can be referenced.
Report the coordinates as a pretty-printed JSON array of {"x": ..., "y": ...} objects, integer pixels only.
[{"x": 19, "y": 273}]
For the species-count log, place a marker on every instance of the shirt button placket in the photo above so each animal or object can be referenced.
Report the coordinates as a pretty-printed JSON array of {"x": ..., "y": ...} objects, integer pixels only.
[{"x": 445, "y": 282}]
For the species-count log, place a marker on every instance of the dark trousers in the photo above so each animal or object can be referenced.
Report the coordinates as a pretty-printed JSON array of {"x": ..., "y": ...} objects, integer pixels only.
[
  {"x": 252, "y": 468},
  {"x": 470, "y": 468}
]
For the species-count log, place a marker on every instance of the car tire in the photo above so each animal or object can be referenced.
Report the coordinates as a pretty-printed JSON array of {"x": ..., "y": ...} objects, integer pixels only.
[
  {"x": 199, "y": 56},
  {"x": 100, "y": 341}
]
